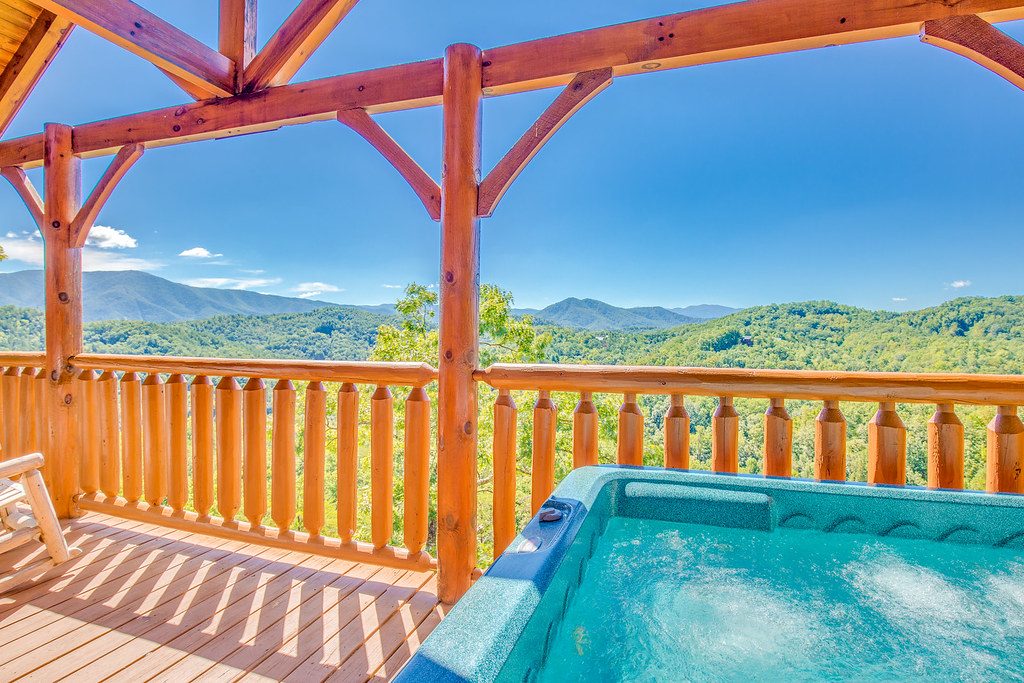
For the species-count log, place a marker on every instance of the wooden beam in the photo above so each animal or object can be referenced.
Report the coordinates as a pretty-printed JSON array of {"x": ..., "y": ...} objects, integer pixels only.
[
  {"x": 45, "y": 38},
  {"x": 63, "y": 314},
  {"x": 976, "y": 39},
  {"x": 734, "y": 31},
  {"x": 425, "y": 187},
  {"x": 581, "y": 90},
  {"x": 459, "y": 325},
  {"x": 27, "y": 191},
  {"x": 389, "y": 89},
  {"x": 237, "y": 35},
  {"x": 294, "y": 42},
  {"x": 716, "y": 34},
  {"x": 141, "y": 32},
  {"x": 117, "y": 169}
]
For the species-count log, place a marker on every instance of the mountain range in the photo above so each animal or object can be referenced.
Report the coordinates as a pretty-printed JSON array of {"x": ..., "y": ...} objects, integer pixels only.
[{"x": 135, "y": 295}]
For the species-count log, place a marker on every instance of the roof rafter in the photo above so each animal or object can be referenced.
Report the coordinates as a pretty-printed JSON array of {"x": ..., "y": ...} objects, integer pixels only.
[
  {"x": 425, "y": 187},
  {"x": 237, "y": 34},
  {"x": 979, "y": 41},
  {"x": 735, "y": 31},
  {"x": 294, "y": 42},
  {"x": 716, "y": 34},
  {"x": 141, "y": 32},
  {"x": 29, "y": 62},
  {"x": 585, "y": 87}
]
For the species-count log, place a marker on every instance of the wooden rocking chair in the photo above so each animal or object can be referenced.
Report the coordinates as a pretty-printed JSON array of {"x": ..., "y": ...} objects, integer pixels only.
[{"x": 37, "y": 523}]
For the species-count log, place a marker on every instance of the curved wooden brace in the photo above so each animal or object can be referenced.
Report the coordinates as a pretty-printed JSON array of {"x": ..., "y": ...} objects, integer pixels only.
[
  {"x": 972, "y": 37},
  {"x": 117, "y": 169},
  {"x": 23, "y": 186},
  {"x": 581, "y": 90},
  {"x": 425, "y": 187}
]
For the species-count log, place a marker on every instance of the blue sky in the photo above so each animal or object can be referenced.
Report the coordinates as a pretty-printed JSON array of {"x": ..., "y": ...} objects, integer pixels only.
[{"x": 885, "y": 175}]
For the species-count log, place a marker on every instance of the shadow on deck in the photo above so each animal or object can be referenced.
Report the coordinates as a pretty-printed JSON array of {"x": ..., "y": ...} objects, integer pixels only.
[{"x": 149, "y": 603}]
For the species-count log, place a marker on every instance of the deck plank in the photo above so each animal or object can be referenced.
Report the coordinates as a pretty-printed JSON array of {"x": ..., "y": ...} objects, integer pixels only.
[{"x": 150, "y": 603}]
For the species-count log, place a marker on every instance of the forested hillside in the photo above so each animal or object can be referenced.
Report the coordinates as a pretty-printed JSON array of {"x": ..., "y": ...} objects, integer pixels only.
[
  {"x": 964, "y": 335},
  {"x": 337, "y": 333}
]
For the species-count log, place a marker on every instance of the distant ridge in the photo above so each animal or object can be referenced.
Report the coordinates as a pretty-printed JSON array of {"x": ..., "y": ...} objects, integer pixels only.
[
  {"x": 591, "y": 314},
  {"x": 134, "y": 295},
  {"x": 705, "y": 311}
]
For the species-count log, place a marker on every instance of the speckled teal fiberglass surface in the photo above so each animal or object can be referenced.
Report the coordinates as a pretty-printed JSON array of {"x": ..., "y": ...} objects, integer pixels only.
[{"x": 664, "y": 601}]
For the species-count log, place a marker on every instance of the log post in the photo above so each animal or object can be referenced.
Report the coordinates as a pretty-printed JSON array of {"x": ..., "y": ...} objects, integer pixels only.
[
  {"x": 887, "y": 447},
  {"x": 584, "y": 432},
  {"x": 506, "y": 434},
  {"x": 725, "y": 437},
  {"x": 677, "y": 434},
  {"x": 830, "y": 443},
  {"x": 545, "y": 424},
  {"x": 63, "y": 263},
  {"x": 631, "y": 432},
  {"x": 459, "y": 322},
  {"x": 778, "y": 440},
  {"x": 1005, "y": 461},
  {"x": 945, "y": 449}
]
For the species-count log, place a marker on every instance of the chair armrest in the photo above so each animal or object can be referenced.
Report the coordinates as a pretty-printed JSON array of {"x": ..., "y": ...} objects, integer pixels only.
[{"x": 20, "y": 465}]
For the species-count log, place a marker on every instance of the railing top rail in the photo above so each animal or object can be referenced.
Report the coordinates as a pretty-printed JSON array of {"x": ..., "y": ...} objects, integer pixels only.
[
  {"x": 22, "y": 359},
  {"x": 749, "y": 383},
  {"x": 400, "y": 374}
]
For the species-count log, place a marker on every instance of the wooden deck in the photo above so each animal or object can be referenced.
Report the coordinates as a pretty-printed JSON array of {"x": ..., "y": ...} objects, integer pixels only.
[{"x": 151, "y": 603}]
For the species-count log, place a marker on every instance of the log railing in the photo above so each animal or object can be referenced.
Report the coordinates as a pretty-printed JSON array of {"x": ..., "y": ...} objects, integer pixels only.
[
  {"x": 208, "y": 445},
  {"x": 23, "y": 423},
  {"x": 887, "y": 441}
]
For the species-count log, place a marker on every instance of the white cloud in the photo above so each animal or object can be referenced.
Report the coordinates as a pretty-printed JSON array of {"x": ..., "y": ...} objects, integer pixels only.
[
  {"x": 199, "y": 252},
  {"x": 233, "y": 283},
  {"x": 27, "y": 248},
  {"x": 960, "y": 284},
  {"x": 899, "y": 299},
  {"x": 391, "y": 286},
  {"x": 308, "y": 290},
  {"x": 106, "y": 237},
  {"x": 101, "y": 260}
]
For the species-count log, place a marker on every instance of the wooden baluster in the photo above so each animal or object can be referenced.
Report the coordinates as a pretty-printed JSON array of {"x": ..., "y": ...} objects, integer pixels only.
[
  {"x": 41, "y": 409},
  {"x": 91, "y": 423},
  {"x": 110, "y": 445},
  {"x": 725, "y": 437},
  {"x": 585, "y": 425},
  {"x": 677, "y": 434},
  {"x": 10, "y": 382},
  {"x": 506, "y": 442},
  {"x": 945, "y": 449},
  {"x": 154, "y": 438},
  {"x": 131, "y": 435},
  {"x": 778, "y": 440},
  {"x": 417, "y": 470},
  {"x": 229, "y": 448},
  {"x": 887, "y": 447},
  {"x": 314, "y": 457},
  {"x": 382, "y": 429},
  {"x": 545, "y": 421},
  {"x": 1005, "y": 462},
  {"x": 202, "y": 445},
  {"x": 282, "y": 471},
  {"x": 631, "y": 432},
  {"x": 830, "y": 443},
  {"x": 255, "y": 402},
  {"x": 177, "y": 441},
  {"x": 348, "y": 460},
  {"x": 27, "y": 400}
]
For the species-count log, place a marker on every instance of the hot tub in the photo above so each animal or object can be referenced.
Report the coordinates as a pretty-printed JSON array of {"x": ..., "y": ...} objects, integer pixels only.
[{"x": 666, "y": 575}]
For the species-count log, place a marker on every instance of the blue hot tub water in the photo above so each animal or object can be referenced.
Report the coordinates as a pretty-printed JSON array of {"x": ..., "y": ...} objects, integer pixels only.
[{"x": 655, "y": 575}]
